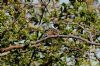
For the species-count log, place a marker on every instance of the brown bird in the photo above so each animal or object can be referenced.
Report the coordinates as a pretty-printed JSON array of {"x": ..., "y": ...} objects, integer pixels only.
[
  {"x": 52, "y": 31},
  {"x": 49, "y": 33}
]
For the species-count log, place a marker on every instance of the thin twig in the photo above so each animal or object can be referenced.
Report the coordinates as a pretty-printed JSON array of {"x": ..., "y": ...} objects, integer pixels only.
[{"x": 67, "y": 36}]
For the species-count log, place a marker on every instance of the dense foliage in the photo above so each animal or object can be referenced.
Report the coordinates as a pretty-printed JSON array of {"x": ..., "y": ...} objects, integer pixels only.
[{"x": 49, "y": 34}]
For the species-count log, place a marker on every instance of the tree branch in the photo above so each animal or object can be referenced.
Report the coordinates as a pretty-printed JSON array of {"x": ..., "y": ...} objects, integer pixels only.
[
  {"x": 34, "y": 44},
  {"x": 11, "y": 47},
  {"x": 67, "y": 36}
]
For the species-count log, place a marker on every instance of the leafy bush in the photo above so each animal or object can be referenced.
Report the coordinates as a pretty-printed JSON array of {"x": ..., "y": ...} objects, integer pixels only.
[{"x": 48, "y": 33}]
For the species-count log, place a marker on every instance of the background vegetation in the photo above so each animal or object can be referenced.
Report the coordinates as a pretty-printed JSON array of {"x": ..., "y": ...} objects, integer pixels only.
[{"x": 49, "y": 34}]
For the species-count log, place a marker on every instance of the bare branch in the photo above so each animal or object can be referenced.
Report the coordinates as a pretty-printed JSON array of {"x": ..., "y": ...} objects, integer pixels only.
[
  {"x": 34, "y": 44},
  {"x": 67, "y": 36},
  {"x": 11, "y": 47}
]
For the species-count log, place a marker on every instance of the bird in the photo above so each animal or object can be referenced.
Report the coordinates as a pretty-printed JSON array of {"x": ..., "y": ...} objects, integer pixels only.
[
  {"x": 51, "y": 31},
  {"x": 48, "y": 33}
]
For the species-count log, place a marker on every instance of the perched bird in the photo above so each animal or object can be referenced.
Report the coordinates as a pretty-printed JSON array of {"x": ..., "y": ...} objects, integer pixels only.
[
  {"x": 48, "y": 33},
  {"x": 51, "y": 31}
]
